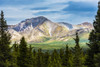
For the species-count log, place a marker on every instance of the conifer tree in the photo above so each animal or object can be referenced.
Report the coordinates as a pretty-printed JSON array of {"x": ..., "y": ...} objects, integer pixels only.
[
  {"x": 34, "y": 58},
  {"x": 56, "y": 60},
  {"x": 77, "y": 60},
  {"x": 62, "y": 56},
  {"x": 61, "y": 53},
  {"x": 30, "y": 57},
  {"x": 14, "y": 54},
  {"x": 54, "y": 54},
  {"x": 46, "y": 58},
  {"x": 34, "y": 52},
  {"x": 97, "y": 60},
  {"x": 94, "y": 40},
  {"x": 39, "y": 58},
  {"x": 4, "y": 41},
  {"x": 68, "y": 58},
  {"x": 56, "y": 63},
  {"x": 22, "y": 59},
  {"x": 50, "y": 62}
]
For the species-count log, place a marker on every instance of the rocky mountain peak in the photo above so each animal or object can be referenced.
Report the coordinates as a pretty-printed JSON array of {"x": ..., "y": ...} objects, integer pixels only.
[
  {"x": 86, "y": 23},
  {"x": 70, "y": 26},
  {"x": 38, "y": 28},
  {"x": 32, "y": 22}
]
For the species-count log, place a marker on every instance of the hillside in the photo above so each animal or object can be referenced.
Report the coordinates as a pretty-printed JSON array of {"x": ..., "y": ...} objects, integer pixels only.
[{"x": 41, "y": 29}]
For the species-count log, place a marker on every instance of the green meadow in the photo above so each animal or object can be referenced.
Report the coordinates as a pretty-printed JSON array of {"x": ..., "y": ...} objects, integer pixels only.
[{"x": 50, "y": 45}]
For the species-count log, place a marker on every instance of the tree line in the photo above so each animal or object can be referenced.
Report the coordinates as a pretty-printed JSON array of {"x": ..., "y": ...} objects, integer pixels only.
[{"x": 19, "y": 55}]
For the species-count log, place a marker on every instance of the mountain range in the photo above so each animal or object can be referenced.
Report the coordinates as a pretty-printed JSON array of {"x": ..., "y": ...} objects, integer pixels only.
[{"x": 40, "y": 29}]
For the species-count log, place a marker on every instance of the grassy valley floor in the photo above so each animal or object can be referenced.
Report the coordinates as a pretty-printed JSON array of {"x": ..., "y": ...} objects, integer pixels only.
[{"x": 51, "y": 45}]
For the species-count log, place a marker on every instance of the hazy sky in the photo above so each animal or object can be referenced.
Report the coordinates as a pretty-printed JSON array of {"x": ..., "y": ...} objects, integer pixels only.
[{"x": 71, "y": 11}]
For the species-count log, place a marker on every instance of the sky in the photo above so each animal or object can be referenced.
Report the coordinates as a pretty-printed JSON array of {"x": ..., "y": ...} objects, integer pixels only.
[{"x": 70, "y": 11}]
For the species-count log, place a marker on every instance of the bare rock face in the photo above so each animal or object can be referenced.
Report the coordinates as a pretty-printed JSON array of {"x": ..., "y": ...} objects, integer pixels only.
[
  {"x": 39, "y": 28},
  {"x": 15, "y": 36}
]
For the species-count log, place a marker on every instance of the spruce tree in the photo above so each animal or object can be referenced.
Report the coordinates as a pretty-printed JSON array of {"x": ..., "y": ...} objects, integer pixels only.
[
  {"x": 77, "y": 60},
  {"x": 34, "y": 58},
  {"x": 56, "y": 60},
  {"x": 14, "y": 54},
  {"x": 50, "y": 62},
  {"x": 4, "y": 41},
  {"x": 68, "y": 58},
  {"x": 40, "y": 58},
  {"x": 94, "y": 40},
  {"x": 54, "y": 54},
  {"x": 97, "y": 60},
  {"x": 30, "y": 57},
  {"x": 46, "y": 57},
  {"x": 61, "y": 53},
  {"x": 22, "y": 59}
]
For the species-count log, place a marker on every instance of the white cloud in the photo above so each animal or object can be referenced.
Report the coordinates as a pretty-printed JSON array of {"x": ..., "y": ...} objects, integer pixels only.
[
  {"x": 22, "y": 12},
  {"x": 63, "y": 1},
  {"x": 78, "y": 0},
  {"x": 56, "y": 17},
  {"x": 16, "y": 13}
]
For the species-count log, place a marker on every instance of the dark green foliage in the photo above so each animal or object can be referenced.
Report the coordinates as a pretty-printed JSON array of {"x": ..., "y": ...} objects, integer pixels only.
[
  {"x": 14, "y": 55},
  {"x": 46, "y": 59},
  {"x": 62, "y": 53},
  {"x": 22, "y": 59},
  {"x": 54, "y": 63},
  {"x": 55, "y": 60},
  {"x": 50, "y": 62},
  {"x": 40, "y": 59},
  {"x": 77, "y": 60},
  {"x": 34, "y": 58},
  {"x": 55, "y": 54},
  {"x": 97, "y": 60},
  {"x": 94, "y": 40},
  {"x": 30, "y": 57},
  {"x": 4, "y": 42},
  {"x": 67, "y": 60}
]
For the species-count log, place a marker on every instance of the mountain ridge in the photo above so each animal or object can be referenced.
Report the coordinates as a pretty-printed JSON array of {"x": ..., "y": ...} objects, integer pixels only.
[{"x": 40, "y": 28}]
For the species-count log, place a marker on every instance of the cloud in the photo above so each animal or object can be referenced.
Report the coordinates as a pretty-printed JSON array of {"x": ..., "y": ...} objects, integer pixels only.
[
  {"x": 16, "y": 13},
  {"x": 63, "y": 1},
  {"x": 80, "y": 6},
  {"x": 27, "y": 11},
  {"x": 56, "y": 10}
]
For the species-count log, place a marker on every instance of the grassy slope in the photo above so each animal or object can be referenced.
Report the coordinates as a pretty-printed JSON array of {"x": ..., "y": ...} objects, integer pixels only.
[
  {"x": 50, "y": 45},
  {"x": 53, "y": 44}
]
